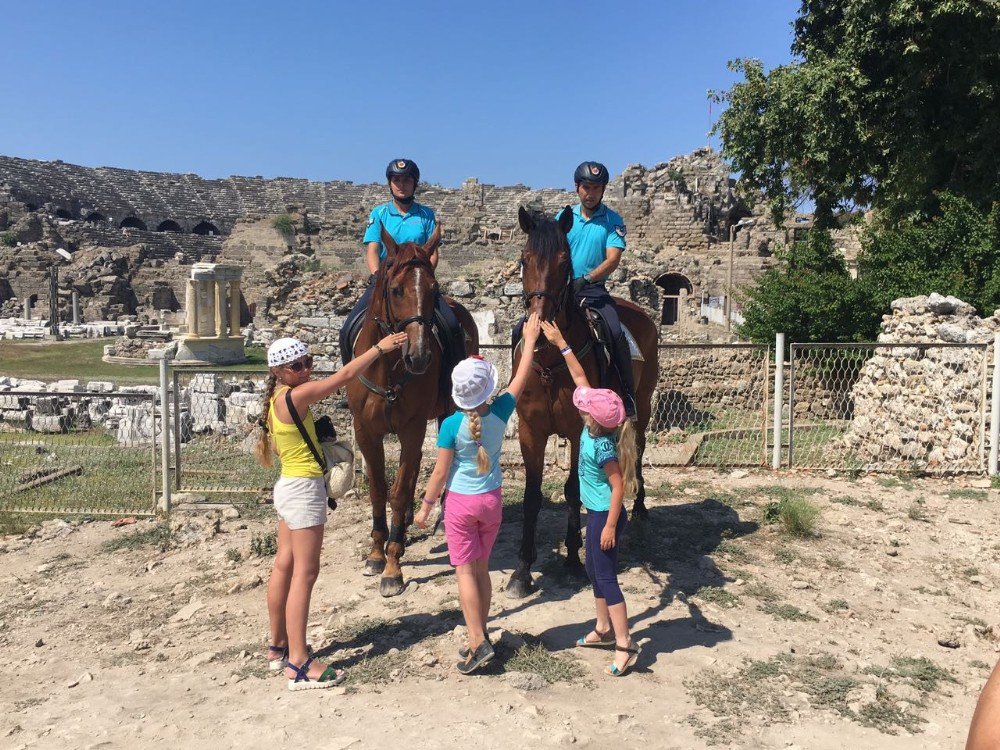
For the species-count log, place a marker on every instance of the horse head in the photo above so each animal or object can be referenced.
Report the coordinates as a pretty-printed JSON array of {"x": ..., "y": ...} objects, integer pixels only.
[
  {"x": 545, "y": 263},
  {"x": 404, "y": 297}
]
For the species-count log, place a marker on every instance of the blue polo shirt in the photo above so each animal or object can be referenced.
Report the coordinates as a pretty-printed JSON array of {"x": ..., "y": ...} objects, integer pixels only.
[
  {"x": 416, "y": 225},
  {"x": 590, "y": 238}
]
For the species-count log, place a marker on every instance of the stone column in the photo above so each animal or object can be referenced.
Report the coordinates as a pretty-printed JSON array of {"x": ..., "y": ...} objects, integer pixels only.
[
  {"x": 221, "y": 320},
  {"x": 191, "y": 308},
  {"x": 76, "y": 308},
  {"x": 234, "y": 307},
  {"x": 27, "y": 308}
]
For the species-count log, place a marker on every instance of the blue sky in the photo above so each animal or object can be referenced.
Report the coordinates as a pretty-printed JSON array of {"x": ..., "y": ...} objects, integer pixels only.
[{"x": 510, "y": 92}]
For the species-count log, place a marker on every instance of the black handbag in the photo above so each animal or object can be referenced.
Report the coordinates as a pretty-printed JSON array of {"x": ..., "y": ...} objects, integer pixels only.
[
  {"x": 326, "y": 430},
  {"x": 331, "y": 502}
]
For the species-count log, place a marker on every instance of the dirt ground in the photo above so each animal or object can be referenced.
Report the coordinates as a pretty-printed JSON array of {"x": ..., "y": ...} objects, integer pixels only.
[{"x": 872, "y": 625}]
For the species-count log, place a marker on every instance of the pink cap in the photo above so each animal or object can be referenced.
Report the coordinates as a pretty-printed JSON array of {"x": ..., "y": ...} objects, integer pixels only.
[{"x": 603, "y": 404}]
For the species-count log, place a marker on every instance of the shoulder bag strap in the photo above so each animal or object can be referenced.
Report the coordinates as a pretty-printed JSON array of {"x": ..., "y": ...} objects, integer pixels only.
[{"x": 302, "y": 430}]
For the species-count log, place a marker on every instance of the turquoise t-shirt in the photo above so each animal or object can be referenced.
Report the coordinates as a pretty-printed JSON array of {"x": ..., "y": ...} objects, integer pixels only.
[
  {"x": 589, "y": 239},
  {"x": 416, "y": 225},
  {"x": 595, "y": 489},
  {"x": 464, "y": 476}
]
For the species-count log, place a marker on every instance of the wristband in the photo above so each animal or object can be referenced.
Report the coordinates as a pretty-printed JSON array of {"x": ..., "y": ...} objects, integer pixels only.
[
  {"x": 588, "y": 278},
  {"x": 565, "y": 350},
  {"x": 429, "y": 501},
  {"x": 379, "y": 349}
]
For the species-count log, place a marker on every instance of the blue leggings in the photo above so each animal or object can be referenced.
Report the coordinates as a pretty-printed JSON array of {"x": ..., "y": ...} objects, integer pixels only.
[{"x": 602, "y": 566}]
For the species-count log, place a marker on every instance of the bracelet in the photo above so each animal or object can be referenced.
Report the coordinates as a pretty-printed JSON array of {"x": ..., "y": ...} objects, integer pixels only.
[
  {"x": 429, "y": 501},
  {"x": 380, "y": 350},
  {"x": 566, "y": 350}
]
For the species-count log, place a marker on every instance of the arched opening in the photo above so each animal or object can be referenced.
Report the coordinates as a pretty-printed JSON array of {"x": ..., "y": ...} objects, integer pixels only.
[
  {"x": 163, "y": 298},
  {"x": 674, "y": 285},
  {"x": 132, "y": 223},
  {"x": 205, "y": 228},
  {"x": 62, "y": 213},
  {"x": 168, "y": 226},
  {"x": 95, "y": 217}
]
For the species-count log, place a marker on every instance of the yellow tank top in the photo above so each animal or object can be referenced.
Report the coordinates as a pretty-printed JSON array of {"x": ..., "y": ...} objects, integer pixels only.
[{"x": 296, "y": 458}]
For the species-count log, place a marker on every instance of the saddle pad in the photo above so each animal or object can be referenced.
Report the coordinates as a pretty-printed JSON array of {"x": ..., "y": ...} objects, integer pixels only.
[{"x": 633, "y": 345}]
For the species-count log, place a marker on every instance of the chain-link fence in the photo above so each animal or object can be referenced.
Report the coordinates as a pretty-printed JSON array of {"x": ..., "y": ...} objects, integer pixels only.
[
  {"x": 74, "y": 451},
  {"x": 711, "y": 406},
  {"x": 919, "y": 407}
]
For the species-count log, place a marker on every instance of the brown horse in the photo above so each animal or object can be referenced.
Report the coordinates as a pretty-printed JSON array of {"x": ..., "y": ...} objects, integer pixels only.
[
  {"x": 545, "y": 407},
  {"x": 400, "y": 393}
]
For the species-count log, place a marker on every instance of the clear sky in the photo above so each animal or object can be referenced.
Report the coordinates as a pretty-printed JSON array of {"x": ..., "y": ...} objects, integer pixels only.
[{"x": 508, "y": 91}]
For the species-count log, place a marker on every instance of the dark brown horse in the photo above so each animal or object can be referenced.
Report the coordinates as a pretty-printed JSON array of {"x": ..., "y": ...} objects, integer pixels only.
[
  {"x": 400, "y": 393},
  {"x": 545, "y": 407}
]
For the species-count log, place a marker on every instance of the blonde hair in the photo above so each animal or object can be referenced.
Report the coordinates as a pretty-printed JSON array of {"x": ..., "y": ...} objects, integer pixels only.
[
  {"x": 625, "y": 447},
  {"x": 476, "y": 430},
  {"x": 264, "y": 450}
]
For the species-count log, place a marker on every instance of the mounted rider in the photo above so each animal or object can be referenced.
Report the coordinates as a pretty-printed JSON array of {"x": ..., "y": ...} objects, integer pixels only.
[
  {"x": 406, "y": 221},
  {"x": 596, "y": 241}
]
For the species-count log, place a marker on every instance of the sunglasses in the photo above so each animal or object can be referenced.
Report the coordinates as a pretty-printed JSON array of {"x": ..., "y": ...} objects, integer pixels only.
[{"x": 299, "y": 365}]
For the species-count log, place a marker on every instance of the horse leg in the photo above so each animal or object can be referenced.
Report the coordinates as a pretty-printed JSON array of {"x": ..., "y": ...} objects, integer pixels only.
[
  {"x": 374, "y": 452},
  {"x": 533, "y": 455},
  {"x": 411, "y": 440},
  {"x": 574, "y": 539},
  {"x": 643, "y": 411}
]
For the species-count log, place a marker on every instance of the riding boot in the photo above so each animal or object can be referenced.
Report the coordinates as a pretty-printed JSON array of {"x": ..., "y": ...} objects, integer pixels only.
[{"x": 623, "y": 363}]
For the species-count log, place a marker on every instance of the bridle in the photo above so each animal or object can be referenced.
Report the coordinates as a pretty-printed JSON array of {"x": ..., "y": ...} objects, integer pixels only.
[
  {"x": 388, "y": 325},
  {"x": 558, "y": 299}
]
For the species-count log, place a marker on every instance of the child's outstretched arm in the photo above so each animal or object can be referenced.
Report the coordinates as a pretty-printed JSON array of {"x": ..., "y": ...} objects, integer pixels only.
[
  {"x": 529, "y": 338},
  {"x": 553, "y": 334},
  {"x": 435, "y": 485},
  {"x": 309, "y": 393}
]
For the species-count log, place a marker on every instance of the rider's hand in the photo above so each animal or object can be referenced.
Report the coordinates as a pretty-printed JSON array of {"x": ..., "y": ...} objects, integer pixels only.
[
  {"x": 578, "y": 284},
  {"x": 531, "y": 329},
  {"x": 552, "y": 333},
  {"x": 392, "y": 342}
]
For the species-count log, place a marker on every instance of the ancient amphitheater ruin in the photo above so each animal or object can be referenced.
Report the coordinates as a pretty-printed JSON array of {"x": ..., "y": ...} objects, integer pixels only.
[{"x": 128, "y": 239}]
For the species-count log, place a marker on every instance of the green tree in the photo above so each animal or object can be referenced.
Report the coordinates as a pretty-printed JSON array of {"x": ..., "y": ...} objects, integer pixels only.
[
  {"x": 886, "y": 103},
  {"x": 810, "y": 297},
  {"x": 956, "y": 252}
]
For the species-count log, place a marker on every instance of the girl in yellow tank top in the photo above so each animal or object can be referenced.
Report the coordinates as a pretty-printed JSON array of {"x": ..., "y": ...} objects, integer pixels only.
[{"x": 299, "y": 500}]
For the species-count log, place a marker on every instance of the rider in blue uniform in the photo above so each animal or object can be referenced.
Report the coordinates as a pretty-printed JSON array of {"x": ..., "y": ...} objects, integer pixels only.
[
  {"x": 406, "y": 221},
  {"x": 596, "y": 242}
]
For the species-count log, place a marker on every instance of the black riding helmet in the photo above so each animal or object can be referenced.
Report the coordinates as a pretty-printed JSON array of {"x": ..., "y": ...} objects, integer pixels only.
[
  {"x": 404, "y": 167},
  {"x": 592, "y": 172}
]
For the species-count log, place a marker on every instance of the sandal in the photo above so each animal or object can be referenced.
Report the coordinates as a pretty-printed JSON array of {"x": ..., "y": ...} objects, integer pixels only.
[
  {"x": 478, "y": 658},
  {"x": 280, "y": 662},
  {"x": 302, "y": 681},
  {"x": 633, "y": 652},
  {"x": 604, "y": 639},
  {"x": 464, "y": 651}
]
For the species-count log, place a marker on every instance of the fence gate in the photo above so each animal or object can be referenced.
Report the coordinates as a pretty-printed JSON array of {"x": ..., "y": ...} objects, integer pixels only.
[{"x": 919, "y": 407}]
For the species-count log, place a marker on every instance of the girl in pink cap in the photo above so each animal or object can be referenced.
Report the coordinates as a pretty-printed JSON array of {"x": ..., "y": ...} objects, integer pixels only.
[
  {"x": 468, "y": 463},
  {"x": 607, "y": 473}
]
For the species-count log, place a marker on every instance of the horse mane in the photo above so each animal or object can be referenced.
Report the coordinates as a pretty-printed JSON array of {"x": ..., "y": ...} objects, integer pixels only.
[{"x": 546, "y": 240}]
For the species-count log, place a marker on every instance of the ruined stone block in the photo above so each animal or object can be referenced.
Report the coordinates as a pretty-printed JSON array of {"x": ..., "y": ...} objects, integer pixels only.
[{"x": 46, "y": 423}]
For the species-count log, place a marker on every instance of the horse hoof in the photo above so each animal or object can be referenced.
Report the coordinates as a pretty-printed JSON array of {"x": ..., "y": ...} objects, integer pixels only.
[
  {"x": 519, "y": 588},
  {"x": 391, "y": 586},
  {"x": 373, "y": 567}
]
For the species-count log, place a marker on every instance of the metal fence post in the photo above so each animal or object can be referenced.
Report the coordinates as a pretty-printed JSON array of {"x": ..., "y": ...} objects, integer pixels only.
[
  {"x": 164, "y": 356},
  {"x": 995, "y": 408},
  {"x": 779, "y": 397}
]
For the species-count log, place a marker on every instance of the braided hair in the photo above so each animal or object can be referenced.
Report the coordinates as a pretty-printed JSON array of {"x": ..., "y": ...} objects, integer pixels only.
[
  {"x": 264, "y": 450},
  {"x": 476, "y": 430}
]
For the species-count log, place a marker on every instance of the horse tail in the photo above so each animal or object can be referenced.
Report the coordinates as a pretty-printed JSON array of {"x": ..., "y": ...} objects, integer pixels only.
[
  {"x": 264, "y": 450},
  {"x": 476, "y": 430},
  {"x": 628, "y": 457}
]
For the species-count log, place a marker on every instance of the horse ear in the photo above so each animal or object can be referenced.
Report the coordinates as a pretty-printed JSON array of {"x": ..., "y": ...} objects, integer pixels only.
[
  {"x": 566, "y": 220},
  {"x": 433, "y": 241},
  {"x": 525, "y": 220},
  {"x": 388, "y": 241}
]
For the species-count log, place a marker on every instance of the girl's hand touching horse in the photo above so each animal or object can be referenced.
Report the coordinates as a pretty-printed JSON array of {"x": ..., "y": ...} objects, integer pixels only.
[
  {"x": 392, "y": 342},
  {"x": 552, "y": 333}
]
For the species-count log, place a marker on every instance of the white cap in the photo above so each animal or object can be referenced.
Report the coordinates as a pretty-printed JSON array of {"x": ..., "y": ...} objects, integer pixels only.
[
  {"x": 285, "y": 350},
  {"x": 472, "y": 382}
]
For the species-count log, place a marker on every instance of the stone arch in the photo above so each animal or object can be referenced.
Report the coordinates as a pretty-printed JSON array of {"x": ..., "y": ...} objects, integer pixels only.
[
  {"x": 95, "y": 217},
  {"x": 62, "y": 213},
  {"x": 131, "y": 222},
  {"x": 205, "y": 228},
  {"x": 168, "y": 226},
  {"x": 674, "y": 284}
]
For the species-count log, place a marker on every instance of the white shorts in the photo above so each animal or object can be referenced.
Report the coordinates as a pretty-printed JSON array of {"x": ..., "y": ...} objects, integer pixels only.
[{"x": 300, "y": 501}]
